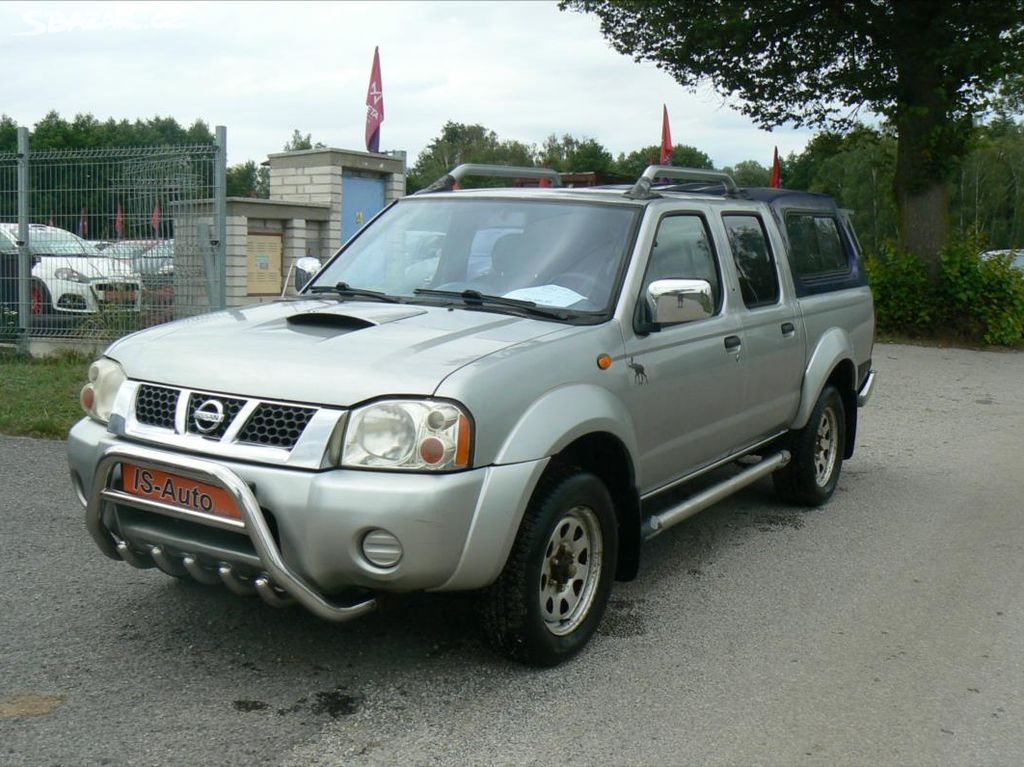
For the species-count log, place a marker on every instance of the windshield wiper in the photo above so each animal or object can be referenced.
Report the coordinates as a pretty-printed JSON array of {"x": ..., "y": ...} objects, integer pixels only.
[
  {"x": 474, "y": 298},
  {"x": 344, "y": 290}
]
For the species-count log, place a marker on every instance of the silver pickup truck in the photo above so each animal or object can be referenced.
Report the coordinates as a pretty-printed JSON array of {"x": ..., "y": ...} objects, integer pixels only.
[{"x": 490, "y": 390}]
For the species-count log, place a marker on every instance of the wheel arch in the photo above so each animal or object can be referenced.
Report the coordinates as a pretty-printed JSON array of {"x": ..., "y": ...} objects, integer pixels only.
[
  {"x": 605, "y": 456},
  {"x": 831, "y": 363},
  {"x": 590, "y": 427}
]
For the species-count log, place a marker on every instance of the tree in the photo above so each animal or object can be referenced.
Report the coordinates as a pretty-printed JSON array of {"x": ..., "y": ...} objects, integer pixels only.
[
  {"x": 86, "y": 132},
  {"x": 683, "y": 155},
  {"x": 569, "y": 154},
  {"x": 63, "y": 188},
  {"x": 8, "y": 134},
  {"x": 857, "y": 170},
  {"x": 989, "y": 193},
  {"x": 459, "y": 143},
  {"x": 750, "y": 173},
  {"x": 299, "y": 142},
  {"x": 248, "y": 180},
  {"x": 925, "y": 65}
]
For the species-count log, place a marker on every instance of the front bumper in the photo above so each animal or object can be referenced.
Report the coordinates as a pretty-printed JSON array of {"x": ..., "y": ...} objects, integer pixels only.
[
  {"x": 301, "y": 533},
  {"x": 103, "y": 293}
]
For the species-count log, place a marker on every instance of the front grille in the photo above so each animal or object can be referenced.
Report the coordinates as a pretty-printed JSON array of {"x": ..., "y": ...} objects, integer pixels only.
[
  {"x": 268, "y": 424},
  {"x": 116, "y": 287},
  {"x": 230, "y": 408},
  {"x": 276, "y": 425},
  {"x": 155, "y": 406}
]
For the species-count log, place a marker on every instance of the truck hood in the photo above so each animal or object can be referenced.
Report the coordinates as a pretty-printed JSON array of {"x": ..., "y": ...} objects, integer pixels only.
[{"x": 325, "y": 352}]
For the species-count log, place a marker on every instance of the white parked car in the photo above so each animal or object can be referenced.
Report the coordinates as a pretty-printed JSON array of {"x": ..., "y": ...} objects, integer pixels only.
[
  {"x": 1017, "y": 254},
  {"x": 70, "y": 275}
]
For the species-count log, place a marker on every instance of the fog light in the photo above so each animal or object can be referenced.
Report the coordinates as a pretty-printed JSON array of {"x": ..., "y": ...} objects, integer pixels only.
[{"x": 381, "y": 548}]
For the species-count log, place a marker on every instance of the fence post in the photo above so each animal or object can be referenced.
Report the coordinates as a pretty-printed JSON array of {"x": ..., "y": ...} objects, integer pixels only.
[
  {"x": 24, "y": 255},
  {"x": 220, "y": 208}
]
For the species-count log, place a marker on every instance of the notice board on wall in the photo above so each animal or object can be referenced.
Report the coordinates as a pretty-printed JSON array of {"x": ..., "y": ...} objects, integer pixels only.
[{"x": 263, "y": 253}]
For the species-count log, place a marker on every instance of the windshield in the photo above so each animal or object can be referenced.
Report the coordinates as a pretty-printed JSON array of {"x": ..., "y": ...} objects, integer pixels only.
[{"x": 558, "y": 254}]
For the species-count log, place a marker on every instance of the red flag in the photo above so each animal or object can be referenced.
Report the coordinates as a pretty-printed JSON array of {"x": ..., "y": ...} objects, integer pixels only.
[
  {"x": 119, "y": 222},
  {"x": 666, "y": 138},
  {"x": 83, "y": 223},
  {"x": 155, "y": 219},
  {"x": 374, "y": 106},
  {"x": 776, "y": 182}
]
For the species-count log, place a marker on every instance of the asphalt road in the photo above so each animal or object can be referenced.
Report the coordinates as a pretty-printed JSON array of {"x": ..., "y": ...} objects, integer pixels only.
[{"x": 886, "y": 628}]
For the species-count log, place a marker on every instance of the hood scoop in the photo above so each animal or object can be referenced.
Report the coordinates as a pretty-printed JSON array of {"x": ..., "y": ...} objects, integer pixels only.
[{"x": 328, "y": 321}]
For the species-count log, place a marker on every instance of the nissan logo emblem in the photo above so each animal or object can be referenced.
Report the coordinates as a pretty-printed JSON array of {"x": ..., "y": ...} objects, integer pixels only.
[{"x": 208, "y": 415}]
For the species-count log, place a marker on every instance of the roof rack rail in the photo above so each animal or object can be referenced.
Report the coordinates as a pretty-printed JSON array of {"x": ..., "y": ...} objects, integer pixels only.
[
  {"x": 447, "y": 182},
  {"x": 642, "y": 189}
]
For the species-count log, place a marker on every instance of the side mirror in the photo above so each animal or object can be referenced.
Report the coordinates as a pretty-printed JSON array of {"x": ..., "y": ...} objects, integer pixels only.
[
  {"x": 305, "y": 270},
  {"x": 673, "y": 301}
]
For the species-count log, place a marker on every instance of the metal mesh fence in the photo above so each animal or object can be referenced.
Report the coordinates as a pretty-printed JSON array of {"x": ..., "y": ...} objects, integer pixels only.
[{"x": 118, "y": 239}]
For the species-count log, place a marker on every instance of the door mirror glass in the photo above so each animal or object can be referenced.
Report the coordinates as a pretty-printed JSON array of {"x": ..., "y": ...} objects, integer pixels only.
[
  {"x": 305, "y": 269},
  {"x": 670, "y": 302}
]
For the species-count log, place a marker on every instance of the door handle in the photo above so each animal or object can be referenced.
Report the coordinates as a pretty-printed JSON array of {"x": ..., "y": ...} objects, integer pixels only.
[
  {"x": 732, "y": 343},
  {"x": 788, "y": 329}
]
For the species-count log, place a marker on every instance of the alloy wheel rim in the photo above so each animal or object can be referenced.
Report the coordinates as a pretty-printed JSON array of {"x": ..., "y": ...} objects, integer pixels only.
[
  {"x": 571, "y": 570},
  {"x": 826, "y": 447}
]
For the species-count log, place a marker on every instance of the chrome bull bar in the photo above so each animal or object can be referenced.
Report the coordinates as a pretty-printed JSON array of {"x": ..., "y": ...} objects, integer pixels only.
[{"x": 278, "y": 586}]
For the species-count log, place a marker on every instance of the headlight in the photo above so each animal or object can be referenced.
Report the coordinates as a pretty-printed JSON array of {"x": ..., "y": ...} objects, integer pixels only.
[
  {"x": 105, "y": 378},
  {"x": 409, "y": 435},
  {"x": 71, "y": 275}
]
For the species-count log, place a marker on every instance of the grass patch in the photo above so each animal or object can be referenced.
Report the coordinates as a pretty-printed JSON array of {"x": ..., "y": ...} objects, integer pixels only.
[{"x": 39, "y": 397}]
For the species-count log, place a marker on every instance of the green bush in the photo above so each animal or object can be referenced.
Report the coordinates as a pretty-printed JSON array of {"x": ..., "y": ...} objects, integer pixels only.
[
  {"x": 904, "y": 296},
  {"x": 981, "y": 297}
]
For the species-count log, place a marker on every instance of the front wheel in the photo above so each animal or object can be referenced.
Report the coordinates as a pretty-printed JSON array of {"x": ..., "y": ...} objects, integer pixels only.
[
  {"x": 549, "y": 599},
  {"x": 812, "y": 474}
]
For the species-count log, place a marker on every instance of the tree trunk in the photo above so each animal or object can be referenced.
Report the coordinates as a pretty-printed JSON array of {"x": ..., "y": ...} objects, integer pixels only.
[
  {"x": 931, "y": 137},
  {"x": 924, "y": 222},
  {"x": 929, "y": 141}
]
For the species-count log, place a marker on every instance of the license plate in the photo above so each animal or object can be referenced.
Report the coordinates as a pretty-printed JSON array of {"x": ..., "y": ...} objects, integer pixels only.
[
  {"x": 178, "y": 491},
  {"x": 119, "y": 296}
]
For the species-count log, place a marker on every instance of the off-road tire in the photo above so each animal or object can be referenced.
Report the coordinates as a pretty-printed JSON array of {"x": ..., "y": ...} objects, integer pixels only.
[
  {"x": 810, "y": 478},
  {"x": 510, "y": 610}
]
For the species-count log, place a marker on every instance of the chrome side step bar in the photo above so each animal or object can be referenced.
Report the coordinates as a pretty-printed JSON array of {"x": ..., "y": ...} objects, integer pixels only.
[
  {"x": 278, "y": 585},
  {"x": 659, "y": 523}
]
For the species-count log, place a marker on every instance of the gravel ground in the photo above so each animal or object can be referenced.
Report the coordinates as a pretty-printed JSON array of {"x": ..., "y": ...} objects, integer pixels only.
[{"x": 887, "y": 628}]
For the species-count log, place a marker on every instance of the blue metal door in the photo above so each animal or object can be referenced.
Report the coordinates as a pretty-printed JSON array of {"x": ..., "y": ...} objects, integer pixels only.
[{"x": 362, "y": 198}]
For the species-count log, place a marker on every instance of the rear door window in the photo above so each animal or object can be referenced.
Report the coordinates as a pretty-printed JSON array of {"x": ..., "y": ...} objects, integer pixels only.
[
  {"x": 755, "y": 266},
  {"x": 815, "y": 245}
]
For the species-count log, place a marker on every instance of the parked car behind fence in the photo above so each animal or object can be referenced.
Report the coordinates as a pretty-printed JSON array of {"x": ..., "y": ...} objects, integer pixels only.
[{"x": 69, "y": 274}]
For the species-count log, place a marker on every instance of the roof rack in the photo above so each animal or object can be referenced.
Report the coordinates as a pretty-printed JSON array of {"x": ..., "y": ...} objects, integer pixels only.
[
  {"x": 642, "y": 189},
  {"x": 448, "y": 181}
]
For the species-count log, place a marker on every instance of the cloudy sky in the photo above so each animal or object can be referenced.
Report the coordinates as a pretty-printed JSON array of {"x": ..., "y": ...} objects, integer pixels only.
[{"x": 523, "y": 69}]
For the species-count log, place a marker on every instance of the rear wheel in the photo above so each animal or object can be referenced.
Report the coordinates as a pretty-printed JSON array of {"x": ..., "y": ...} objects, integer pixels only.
[
  {"x": 812, "y": 474},
  {"x": 550, "y": 598}
]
